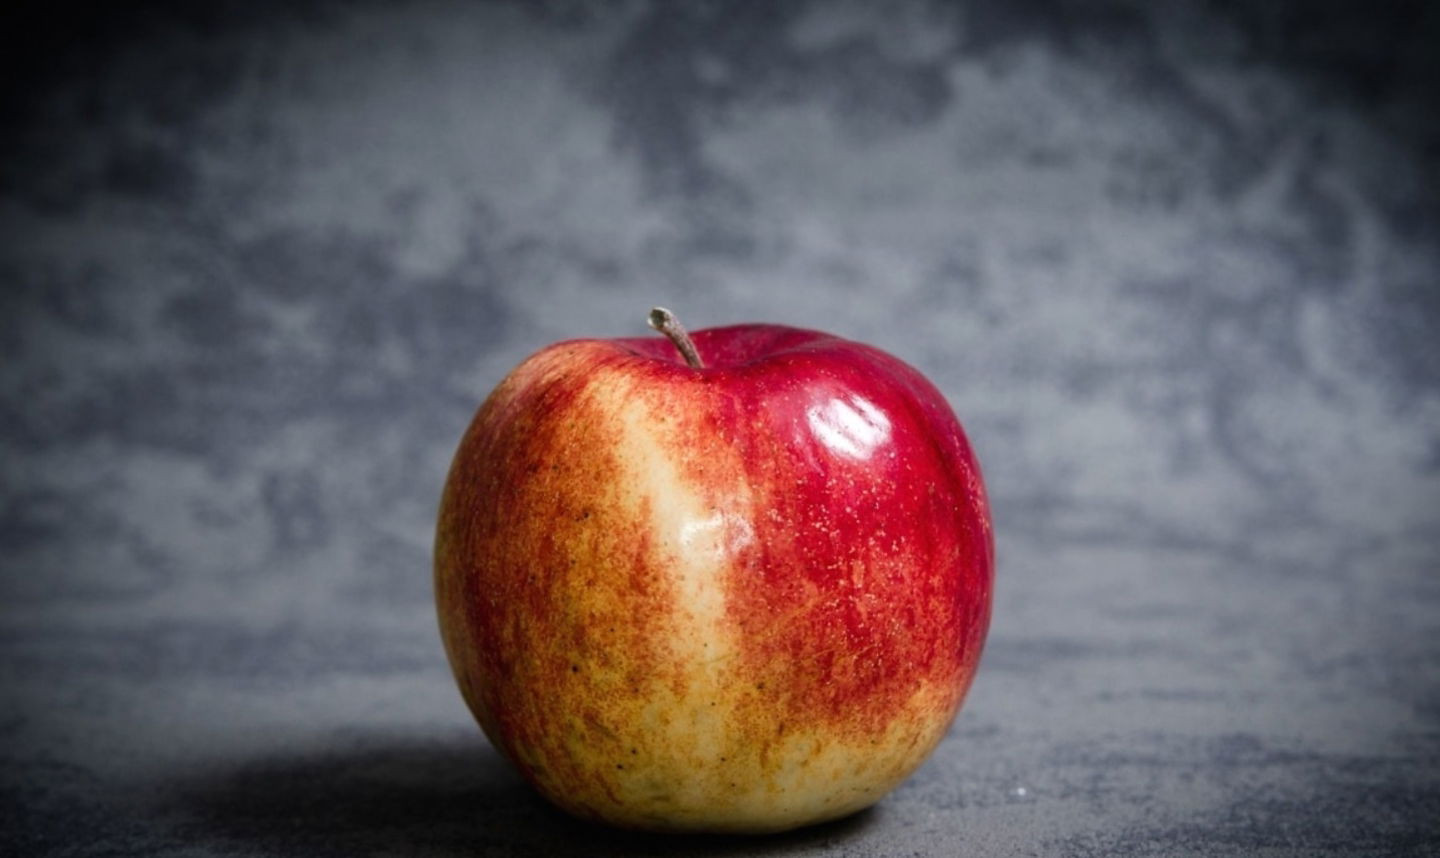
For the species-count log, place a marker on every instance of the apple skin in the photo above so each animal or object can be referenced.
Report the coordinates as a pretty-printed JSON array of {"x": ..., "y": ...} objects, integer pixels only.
[{"x": 740, "y": 598}]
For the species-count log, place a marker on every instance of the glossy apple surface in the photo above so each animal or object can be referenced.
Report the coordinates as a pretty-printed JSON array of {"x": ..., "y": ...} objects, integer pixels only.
[{"x": 743, "y": 597}]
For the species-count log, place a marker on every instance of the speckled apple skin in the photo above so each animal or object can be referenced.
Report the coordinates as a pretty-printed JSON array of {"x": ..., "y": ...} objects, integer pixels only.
[{"x": 746, "y": 597}]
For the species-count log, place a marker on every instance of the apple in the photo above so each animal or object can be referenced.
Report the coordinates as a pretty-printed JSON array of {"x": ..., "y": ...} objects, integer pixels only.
[{"x": 734, "y": 582}]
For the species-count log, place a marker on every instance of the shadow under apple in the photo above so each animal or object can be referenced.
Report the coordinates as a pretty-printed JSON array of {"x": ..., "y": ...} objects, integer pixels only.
[{"x": 428, "y": 798}]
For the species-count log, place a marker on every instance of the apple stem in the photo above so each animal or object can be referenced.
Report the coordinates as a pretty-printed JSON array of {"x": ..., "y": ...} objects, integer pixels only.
[{"x": 665, "y": 322}]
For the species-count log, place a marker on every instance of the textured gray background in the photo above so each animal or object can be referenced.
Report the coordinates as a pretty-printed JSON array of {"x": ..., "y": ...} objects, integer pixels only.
[{"x": 1177, "y": 266}]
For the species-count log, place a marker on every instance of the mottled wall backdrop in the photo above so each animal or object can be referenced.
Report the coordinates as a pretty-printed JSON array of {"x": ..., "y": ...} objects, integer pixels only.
[{"x": 1176, "y": 265}]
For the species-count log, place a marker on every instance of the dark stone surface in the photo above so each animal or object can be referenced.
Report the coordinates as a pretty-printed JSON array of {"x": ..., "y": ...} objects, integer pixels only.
[{"x": 1177, "y": 266}]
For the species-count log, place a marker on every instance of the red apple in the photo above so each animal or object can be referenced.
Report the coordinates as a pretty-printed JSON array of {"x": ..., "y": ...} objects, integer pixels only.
[{"x": 746, "y": 595}]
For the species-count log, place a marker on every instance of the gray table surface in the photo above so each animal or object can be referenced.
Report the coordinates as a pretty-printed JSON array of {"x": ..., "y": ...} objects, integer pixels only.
[{"x": 1177, "y": 267}]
